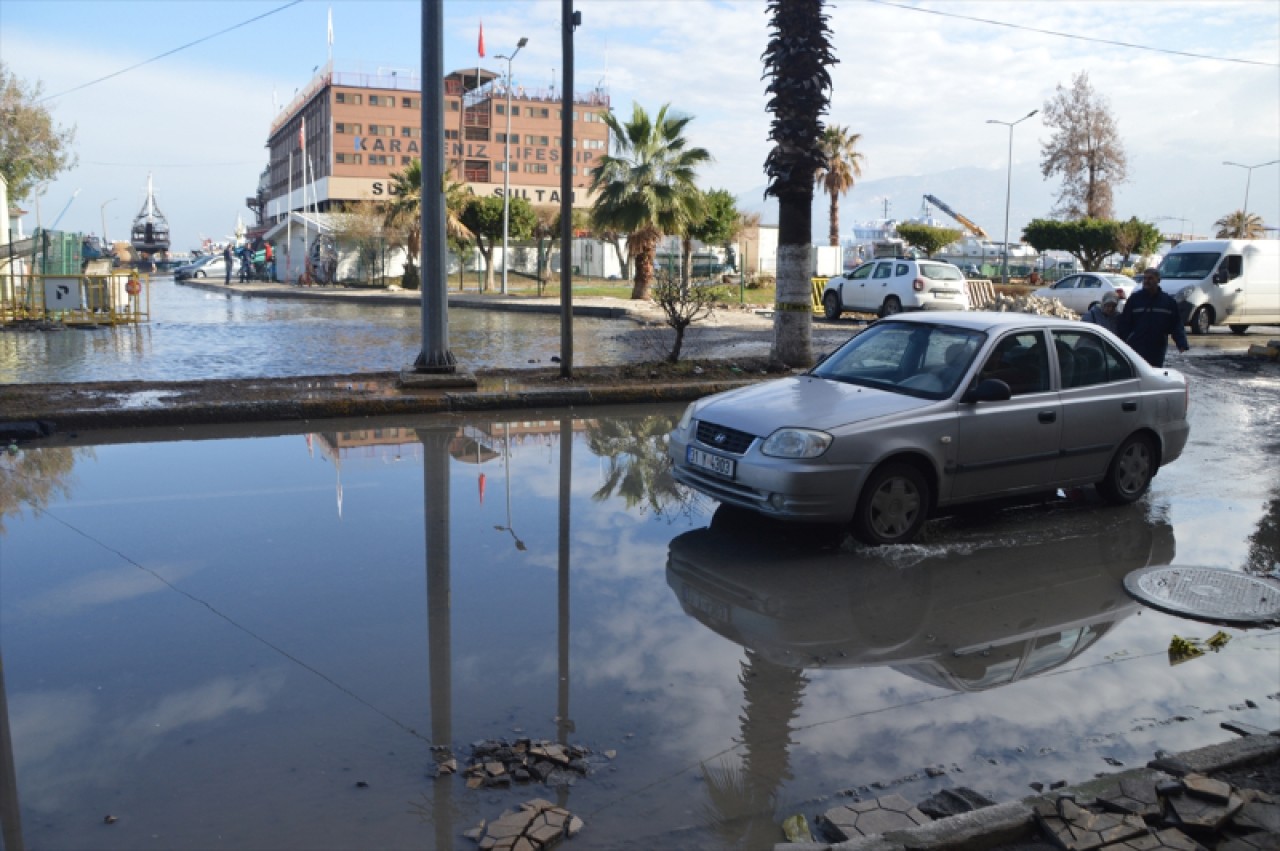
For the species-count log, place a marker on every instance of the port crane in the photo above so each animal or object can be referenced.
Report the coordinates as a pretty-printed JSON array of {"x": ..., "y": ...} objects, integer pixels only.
[{"x": 968, "y": 223}]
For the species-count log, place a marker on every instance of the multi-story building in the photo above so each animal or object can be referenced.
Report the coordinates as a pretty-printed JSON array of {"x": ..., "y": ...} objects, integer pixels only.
[{"x": 342, "y": 137}]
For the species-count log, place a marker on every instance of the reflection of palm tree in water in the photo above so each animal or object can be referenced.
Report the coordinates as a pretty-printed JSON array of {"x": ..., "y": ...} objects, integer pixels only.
[
  {"x": 744, "y": 798},
  {"x": 1264, "y": 543},
  {"x": 635, "y": 452}
]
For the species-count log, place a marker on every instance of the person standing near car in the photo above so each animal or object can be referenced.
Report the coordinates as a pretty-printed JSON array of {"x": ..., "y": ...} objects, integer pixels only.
[
  {"x": 1104, "y": 313},
  {"x": 1150, "y": 316},
  {"x": 227, "y": 258}
]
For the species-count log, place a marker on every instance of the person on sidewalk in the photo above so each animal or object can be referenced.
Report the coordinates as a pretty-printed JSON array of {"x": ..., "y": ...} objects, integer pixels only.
[
  {"x": 228, "y": 259},
  {"x": 1150, "y": 317},
  {"x": 1104, "y": 313}
]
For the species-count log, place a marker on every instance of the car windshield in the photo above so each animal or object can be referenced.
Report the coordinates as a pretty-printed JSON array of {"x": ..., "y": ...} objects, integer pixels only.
[
  {"x": 1118, "y": 280},
  {"x": 941, "y": 272},
  {"x": 918, "y": 359},
  {"x": 1188, "y": 264}
]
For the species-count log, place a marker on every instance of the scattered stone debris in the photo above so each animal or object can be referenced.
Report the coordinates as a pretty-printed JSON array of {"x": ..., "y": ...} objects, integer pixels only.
[
  {"x": 951, "y": 802},
  {"x": 535, "y": 825},
  {"x": 1030, "y": 304},
  {"x": 1271, "y": 351},
  {"x": 499, "y": 763}
]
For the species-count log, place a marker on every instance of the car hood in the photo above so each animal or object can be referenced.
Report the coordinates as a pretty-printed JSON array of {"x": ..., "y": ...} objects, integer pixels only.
[{"x": 804, "y": 401}]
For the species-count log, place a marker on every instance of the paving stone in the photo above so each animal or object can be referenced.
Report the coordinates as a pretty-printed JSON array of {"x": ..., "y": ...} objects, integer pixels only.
[
  {"x": 1132, "y": 795},
  {"x": 1249, "y": 842},
  {"x": 1207, "y": 788},
  {"x": 875, "y": 816},
  {"x": 1198, "y": 815},
  {"x": 1077, "y": 829},
  {"x": 536, "y": 825},
  {"x": 950, "y": 802},
  {"x": 1258, "y": 815},
  {"x": 1170, "y": 838}
]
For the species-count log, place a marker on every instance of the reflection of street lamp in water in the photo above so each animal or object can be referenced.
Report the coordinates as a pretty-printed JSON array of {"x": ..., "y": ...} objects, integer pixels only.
[{"x": 506, "y": 458}]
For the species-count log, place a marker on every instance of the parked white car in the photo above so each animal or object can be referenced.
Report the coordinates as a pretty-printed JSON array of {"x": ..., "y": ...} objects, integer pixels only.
[
  {"x": 924, "y": 411},
  {"x": 894, "y": 285},
  {"x": 1083, "y": 291}
]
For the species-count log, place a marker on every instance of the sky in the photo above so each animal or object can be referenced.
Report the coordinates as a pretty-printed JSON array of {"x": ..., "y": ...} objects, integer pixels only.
[{"x": 919, "y": 79}]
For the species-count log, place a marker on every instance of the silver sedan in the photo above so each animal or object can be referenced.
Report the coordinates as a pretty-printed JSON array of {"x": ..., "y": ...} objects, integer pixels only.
[
  {"x": 923, "y": 411},
  {"x": 1083, "y": 291}
]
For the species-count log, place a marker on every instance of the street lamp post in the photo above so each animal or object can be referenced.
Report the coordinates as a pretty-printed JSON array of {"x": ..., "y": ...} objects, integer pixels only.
[
  {"x": 1244, "y": 212},
  {"x": 1008, "y": 190},
  {"x": 506, "y": 164},
  {"x": 106, "y": 243}
]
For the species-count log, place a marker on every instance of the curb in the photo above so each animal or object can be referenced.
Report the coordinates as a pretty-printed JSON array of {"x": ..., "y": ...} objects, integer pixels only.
[{"x": 1010, "y": 823}]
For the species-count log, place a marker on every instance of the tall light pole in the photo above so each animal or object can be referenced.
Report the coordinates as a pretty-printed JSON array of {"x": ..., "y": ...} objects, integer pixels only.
[
  {"x": 1008, "y": 190},
  {"x": 1249, "y": 176},
  {"x": 106, "y": 244},
  {"x": 506, "y": 164}
]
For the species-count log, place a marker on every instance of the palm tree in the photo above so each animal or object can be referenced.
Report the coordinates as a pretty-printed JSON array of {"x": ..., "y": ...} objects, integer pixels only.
[
  {"x": 1240, "y": 225},
  {"x": 404, "y": 212},
  {"x": 835, "y": 176},
  {"x": 646, "y": 187},
  {"x": 795, "y": 61}
]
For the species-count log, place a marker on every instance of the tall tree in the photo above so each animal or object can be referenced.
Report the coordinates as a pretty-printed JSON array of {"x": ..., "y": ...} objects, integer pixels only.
[
  {"x": 1240, "y": 225},
  {"x": 836, "y": 175},
  {"x": 1085, "y": 151},
  {"x": 719, "y": 223},
  {"x": 795, "y": 63},
  {"x": 646, "y": 187},
  {"x": 32, "y": 149}
]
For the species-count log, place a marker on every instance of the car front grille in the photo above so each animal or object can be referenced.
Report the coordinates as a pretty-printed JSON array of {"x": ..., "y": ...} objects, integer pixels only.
[{"x": 723, "y": 438}]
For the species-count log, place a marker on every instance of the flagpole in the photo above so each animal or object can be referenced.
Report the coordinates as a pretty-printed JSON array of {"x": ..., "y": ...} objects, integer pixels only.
[
  {"x": 288, "y": 226},
  {"x": 330, "y": 34}
]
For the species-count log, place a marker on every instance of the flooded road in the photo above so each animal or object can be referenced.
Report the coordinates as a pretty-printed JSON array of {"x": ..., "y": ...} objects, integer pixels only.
[
  {"x": 271, "y": 642},
  {"x": 195, "y": 334}
]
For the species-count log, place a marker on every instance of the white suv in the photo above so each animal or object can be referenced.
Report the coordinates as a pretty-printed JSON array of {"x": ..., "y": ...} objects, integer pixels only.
[{"x": 894, "y": 284}]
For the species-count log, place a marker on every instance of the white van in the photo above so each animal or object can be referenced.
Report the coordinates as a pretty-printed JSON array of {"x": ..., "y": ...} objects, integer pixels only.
[{"x": 1232, "y": 282}]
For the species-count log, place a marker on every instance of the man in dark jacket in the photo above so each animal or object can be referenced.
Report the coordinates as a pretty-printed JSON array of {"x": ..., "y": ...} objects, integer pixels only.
[{"x": 1150, "y": 316}]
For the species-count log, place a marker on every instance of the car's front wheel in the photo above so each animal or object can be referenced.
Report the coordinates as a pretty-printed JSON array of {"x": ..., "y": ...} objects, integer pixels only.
[
  {"x": 1131, "y": 471},
  {"x": 891, "y": 306},
  {"x": 893, "y": 506},
  {"x": 198, "y": 274},
  {"x": 1202, "y": 320},
  {"x": 831, "y": 304}
]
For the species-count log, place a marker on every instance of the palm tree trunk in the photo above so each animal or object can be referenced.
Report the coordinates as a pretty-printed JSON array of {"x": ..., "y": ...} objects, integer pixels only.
[
  {"x": 646, "y": 248},
  {"x": 833, "y": 220},
  {"x": 793, "y": 321},
  {"x": 686, "y": 261}
]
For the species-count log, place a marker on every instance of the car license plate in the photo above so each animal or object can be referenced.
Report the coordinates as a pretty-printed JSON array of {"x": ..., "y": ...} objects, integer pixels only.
[
  {"x": 699, "y": 602},
  {"x": 717, "y": 464}
]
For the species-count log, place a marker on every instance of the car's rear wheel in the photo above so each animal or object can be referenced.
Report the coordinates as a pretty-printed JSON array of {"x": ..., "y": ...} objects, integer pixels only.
[
  {"x": 891, "y": 305},
  {"x": 1131, "y": 471},
  {"x": 1202, "y": 319},
  {"x": 893, "y": 506},
  {"x": 831, "y": 304},
  {"x": 1238, "y": 329}
]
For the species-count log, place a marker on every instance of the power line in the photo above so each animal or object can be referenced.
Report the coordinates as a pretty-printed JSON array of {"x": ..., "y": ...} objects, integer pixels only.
[
  {"x": 1125, "y": 44},
  {"x": 171, "y": 52},
  {"x": 172, "y": 165}
]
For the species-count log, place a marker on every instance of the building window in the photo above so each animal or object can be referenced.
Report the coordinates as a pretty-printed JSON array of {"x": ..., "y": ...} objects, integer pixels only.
[
  {"x": 346, "y": 127},
  {"x": 501, "y": 109},
  {"x": 535, "y": 168},
  {"x": 381, "y": 159},
  {"x": 347, "y": 159},
  {"x": 411, "y": 132},
  {"x": 572, "y": 170},
  {"x": 406, "y": 160},
  {"x": 476, "y": 134},
  {"x": 544, "y": 112},
  {"x": 382, "y": 100},
  {"x": 451, "y": 134},
  {"x": 411, "y": 103},
  {"x": 476, "y": 171},
  {"x": 515, "y": 110},
  {"x": 593, "y": 144},
  {"x": 454, "y": 106},
  {"x": 536, "y": 140},
  {"x": 590, "y": 116},
  {"x": 381, "y": 130},
  {"x": 348, "y": 97}
]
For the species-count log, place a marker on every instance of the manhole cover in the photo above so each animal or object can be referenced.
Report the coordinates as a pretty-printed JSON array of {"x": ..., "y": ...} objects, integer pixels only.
[{"x": 1207, "y": 593}]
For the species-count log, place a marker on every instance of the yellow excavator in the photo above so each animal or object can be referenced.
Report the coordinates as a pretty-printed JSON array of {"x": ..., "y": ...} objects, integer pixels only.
[{"x": 969, "y": 225}]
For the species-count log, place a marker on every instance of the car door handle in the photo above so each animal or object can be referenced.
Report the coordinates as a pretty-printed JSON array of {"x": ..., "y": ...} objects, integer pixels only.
[
  {"x": 1048, "y": 416},
  {"x": 1129, "y": 406}
]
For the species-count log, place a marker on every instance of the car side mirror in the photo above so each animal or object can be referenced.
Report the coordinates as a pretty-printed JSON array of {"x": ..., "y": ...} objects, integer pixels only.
[
  {"x": 1219, "y": 277},
  {"x": 988, "y": 390}
]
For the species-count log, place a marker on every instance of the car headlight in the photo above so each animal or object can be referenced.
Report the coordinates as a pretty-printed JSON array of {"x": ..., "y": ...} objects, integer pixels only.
[
  {"x": 796, "y": 443},
  {"x": 686, "y": 419}
]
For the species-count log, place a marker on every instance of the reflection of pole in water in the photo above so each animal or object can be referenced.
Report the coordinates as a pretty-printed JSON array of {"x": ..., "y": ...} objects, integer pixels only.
[
  {"x": 10, "y": 819},
  {"x": 435, "y": 518},
  {"x": 506, "y": 463},
  {"x": 564, "y": 724}
]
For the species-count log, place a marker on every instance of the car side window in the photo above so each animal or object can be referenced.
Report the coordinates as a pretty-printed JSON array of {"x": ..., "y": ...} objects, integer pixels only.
[
  {"x": 884, "y": 270},
  {"x": 1020, "y": 360},
  {"x": 902, "y": 269},
  {"x": 861, "y": 273},
  {"x": 1090, "y": 283},
  {"x": 1085, "y": 360},
  {"x": 1066, "y": 283}
]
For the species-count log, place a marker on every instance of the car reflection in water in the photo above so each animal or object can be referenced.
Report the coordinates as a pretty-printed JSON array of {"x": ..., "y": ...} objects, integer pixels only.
[{"x": 986, "y": 616}]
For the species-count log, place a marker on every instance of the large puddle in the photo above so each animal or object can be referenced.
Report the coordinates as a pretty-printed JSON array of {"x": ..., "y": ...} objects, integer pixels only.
[{"x": 271, "y": 642}]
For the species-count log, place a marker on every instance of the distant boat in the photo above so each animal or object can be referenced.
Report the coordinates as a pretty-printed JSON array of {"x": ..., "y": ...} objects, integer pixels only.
[{"x": 150, "y": 228}]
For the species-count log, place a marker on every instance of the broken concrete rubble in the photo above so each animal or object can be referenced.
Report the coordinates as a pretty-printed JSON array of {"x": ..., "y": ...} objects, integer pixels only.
[
  {"x": 535, "y": 825},
  {"x": 499, "y": 763},
  {"x": 1030, "y": 304}
]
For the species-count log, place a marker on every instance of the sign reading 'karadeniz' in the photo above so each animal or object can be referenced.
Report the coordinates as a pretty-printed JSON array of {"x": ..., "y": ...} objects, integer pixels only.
[{"x": 471, "y": 150}]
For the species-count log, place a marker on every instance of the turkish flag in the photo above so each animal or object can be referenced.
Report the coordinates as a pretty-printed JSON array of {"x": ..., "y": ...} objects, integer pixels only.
[{"x": 481, "y": 38}]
